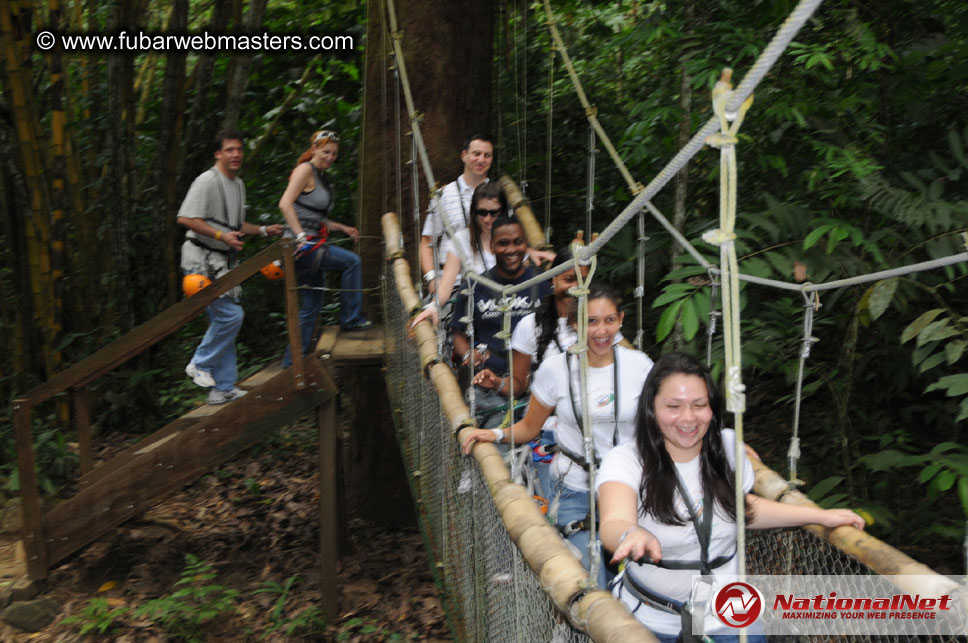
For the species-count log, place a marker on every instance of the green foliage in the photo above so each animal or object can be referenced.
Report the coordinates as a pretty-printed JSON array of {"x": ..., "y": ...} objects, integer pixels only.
[
  {"x": 199, "y": 602},
  {"x": 56, "y": 462},
  {"x": 371, "y": 631},
  {"x": 307, "y": 622},
  {"x": 98, "y": 616}
]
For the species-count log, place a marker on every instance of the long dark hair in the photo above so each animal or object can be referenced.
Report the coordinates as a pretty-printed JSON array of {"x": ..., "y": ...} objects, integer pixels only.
[
  {"x": 546, "y": 317},
  {"x": 658, "y": 487},
  {"x": 488, "y": 190}
]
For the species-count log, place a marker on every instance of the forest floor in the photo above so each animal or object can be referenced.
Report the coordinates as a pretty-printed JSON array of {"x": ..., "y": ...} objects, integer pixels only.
[{"x": 255, "y": 522}]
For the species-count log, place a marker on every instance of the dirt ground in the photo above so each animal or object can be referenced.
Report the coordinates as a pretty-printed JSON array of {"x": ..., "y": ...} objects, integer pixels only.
[{"x": 255, "y": 521}]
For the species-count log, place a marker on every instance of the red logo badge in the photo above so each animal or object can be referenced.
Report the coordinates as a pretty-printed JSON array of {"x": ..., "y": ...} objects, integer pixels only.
[{"x": 738, "y": 604}]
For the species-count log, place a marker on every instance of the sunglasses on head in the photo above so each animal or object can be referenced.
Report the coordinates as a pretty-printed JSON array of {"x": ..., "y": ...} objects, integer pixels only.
[
  {"x": 481, "y": 212},
  {"x": 331, "y": 135}
]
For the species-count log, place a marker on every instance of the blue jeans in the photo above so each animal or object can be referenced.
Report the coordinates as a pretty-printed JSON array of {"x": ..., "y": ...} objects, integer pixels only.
[
  {"x": 310, "y": 269},
  {"x": 216, "y": 353},
  {"x": 574, "y": 505}
]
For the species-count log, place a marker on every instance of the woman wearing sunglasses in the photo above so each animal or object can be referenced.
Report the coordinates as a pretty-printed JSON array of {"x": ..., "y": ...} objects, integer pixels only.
[
  {"x": 306, "y": 205},
  {"x": 487, "y": 203}
]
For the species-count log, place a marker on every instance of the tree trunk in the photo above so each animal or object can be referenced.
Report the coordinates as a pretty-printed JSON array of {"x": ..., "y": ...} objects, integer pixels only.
[
  {"x": 172, "y": 109},
  {"x": 238, "y": 76},
  {"x": 449, "y": 63}
]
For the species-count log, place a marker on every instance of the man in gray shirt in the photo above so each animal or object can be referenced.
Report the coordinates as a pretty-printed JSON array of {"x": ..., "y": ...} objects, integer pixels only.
[{"x": 214, "y": 213}]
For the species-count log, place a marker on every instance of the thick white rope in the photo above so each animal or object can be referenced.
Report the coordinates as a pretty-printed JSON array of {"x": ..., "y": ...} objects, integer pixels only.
[{"x": 725, "y": 238}]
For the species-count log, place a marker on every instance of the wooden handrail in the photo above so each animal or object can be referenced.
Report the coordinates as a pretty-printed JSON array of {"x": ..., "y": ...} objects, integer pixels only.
[
  {"x": 113, "y": 355},
  {"x": 151, "y": 332}
]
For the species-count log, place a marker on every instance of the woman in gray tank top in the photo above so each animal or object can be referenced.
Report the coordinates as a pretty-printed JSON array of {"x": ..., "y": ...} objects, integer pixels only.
[{"x": 306, "y": 205}]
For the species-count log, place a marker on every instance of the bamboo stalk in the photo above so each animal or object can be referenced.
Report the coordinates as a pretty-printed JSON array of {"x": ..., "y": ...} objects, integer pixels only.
[
  {"x": 522, "y": 209},
  {"x": 561, "y": 574}
]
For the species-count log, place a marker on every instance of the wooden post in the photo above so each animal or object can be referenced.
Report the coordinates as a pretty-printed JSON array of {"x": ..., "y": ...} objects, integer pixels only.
[
  {"x": 328, "y": 508},
  {"x": 82, "y": 419},
  {"x": 292, "y": 319},
  {"x": 33, "y": 529}
]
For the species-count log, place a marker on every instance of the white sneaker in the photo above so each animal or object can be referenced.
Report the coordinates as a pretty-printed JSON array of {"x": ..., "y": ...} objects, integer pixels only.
[
  {"x": 221, "y": 397},
  {"x": 200, "y": 377}
]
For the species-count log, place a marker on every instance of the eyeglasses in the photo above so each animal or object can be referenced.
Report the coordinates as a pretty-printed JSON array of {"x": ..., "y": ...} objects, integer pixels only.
[
  {"x": 331, "y": 135},
  {"x": 481, "y": 212}
]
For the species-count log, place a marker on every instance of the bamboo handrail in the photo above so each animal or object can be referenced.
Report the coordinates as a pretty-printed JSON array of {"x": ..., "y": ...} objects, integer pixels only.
[
  {"x": 562, "y": 575},
  {"x": 897, "y": 567}
]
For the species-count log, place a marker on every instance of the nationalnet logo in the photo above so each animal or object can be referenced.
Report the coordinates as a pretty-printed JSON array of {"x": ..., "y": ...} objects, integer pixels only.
[
  {"x": 738, "y": 604},
  {"x": 848, "y": 604},
  {"x": 898, "y": 606}
]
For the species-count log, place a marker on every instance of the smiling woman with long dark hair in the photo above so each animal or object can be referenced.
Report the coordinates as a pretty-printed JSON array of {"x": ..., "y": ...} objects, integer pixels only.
[{"x": 672, "y": 489}]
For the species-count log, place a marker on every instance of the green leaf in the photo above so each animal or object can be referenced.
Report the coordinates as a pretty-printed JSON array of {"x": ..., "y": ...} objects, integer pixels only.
[
  {"x": 929, "y": 472},
  {"x": 953, "y": 350},
  {"x": 690, "y": 320},
  {"x": 955, "y": 384},
  {"x": 936, "y": 330},
  {"x": 945, "y": 480},
  {"x": 914, "y": 328},
  {"x": 815, "y": 236},
  {"x": 667, "y": 321},
  {"x": 824, "y": 487},
  {"x": 963, "y": 414},
  {"x": 671, "y": 293},
  {"x": 963, "y": 494},
  {"x": 931, "y": 362},
  {"x": 881, "y": 296}
]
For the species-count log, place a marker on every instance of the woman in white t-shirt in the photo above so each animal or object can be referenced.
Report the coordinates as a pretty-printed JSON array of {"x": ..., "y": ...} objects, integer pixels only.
[
  {"x": 615, "y": 377},
  {"x": 672, "y": 488}
]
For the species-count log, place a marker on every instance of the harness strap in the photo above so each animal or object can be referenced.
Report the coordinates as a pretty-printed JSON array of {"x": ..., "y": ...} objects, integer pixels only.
[
  {"x": 203, "y": 246},
  {"x": 574, "y": 457},
  {"x": 643, "y": 594},
  {"x": 574, "y": 407}
]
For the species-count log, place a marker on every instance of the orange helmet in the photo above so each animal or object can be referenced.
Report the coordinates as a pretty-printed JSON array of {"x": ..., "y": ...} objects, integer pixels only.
[
  {"x": 273, "y": 270},
  {"x": 191, "y": 284}
]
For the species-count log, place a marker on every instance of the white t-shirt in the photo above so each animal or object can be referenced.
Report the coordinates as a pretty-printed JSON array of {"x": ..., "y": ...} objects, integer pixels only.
[
  {"x": 622, "y": 464},
  {"x": 455, "y": 200},
  {"x": 550, "y": 387},
  {"x": 480, "y": 262}
]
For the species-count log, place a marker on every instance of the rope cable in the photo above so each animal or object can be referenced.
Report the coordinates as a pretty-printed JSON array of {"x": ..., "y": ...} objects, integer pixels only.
[
  {"x": 548, "y": 150},
  {"x": 769, "y": 56},
  {"x": 580, "y": 348},
  {"x": 590, "y": 178},
  {"x": 639, "y": 293},
  {"x": 811, "y": 302}
]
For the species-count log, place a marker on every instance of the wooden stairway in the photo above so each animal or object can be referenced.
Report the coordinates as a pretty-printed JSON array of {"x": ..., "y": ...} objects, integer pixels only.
[{"x": 173, "y": 456}]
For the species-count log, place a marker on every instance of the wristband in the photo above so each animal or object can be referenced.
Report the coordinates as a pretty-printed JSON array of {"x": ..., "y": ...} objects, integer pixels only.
[
  {"x": 218, "y": 235},
  {"x": 429, "y": 275},
  {"x": 301, "y": 237},
  {"x": 498, "y": 434},
  {"x": 466, "y": 356},
  {"x": 504, "y": 381},
  {"x": 263, "y": 231}
]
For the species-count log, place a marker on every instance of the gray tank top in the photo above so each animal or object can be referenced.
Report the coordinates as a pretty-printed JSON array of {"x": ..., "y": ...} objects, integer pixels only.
[{"x": 313, "y": 208}]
